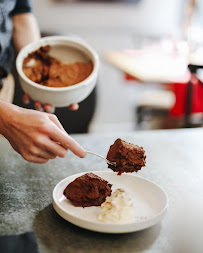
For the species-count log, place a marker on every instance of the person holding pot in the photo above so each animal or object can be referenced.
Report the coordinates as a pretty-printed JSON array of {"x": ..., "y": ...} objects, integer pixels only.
[{"x": 36, "y": 136}]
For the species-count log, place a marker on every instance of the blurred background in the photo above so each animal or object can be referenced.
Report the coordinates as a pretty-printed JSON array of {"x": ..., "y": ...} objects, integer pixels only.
[{"x": 151, "y": 59}]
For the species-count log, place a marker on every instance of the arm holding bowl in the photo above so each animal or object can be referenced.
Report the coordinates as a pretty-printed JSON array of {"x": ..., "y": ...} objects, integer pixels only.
[{"x": 25, "y": 31}]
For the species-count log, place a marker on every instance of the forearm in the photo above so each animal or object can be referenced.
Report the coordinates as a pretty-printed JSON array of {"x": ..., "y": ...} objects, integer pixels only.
[
  {"x": 25, "y": 30},
  {"x": 37, "y": 136},
  {"x": 7, "y": 112}
]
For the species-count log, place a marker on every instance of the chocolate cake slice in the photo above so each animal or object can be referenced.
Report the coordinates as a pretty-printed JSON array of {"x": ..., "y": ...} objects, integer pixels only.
[
  {"x": 88, "y": 190},
  {"x": 128, "y": 157}
]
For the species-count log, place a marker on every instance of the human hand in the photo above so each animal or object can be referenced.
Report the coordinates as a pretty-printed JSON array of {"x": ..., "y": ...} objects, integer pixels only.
[
  {"x": 36, "y": 136},
  {"x": 47, "y": 108}
]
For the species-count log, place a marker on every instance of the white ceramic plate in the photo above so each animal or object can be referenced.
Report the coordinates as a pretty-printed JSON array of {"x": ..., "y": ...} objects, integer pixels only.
[{"x": 149, "y": 200}]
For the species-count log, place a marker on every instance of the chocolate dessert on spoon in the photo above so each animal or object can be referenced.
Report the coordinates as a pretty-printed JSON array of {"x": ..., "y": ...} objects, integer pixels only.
[
  {"x": 128, "y": 157},
  {"x": 124, "y": 157}
]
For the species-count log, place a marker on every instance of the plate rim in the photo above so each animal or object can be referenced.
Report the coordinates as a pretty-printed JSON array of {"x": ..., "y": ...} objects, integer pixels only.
[{"x": 107, "y": 227}]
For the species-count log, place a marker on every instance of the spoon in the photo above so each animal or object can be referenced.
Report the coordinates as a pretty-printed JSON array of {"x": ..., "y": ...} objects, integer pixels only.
[{"x": 107, "y": 161}]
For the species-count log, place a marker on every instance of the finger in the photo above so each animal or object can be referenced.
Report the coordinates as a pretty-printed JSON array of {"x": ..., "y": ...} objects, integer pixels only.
[
  {"x": 36, "y": 159},
  {"x": 55, "y": 120},
  {"x": 74, "y": 107},
  {"x": 75, "y": 147},
  {"x": 59, "y": 135},
  {"x": 49, "y": 108},
  {"x": 42, "y": 153},
  {"x": 68, "y": 142},
  {"x": 47, "y": 155},
  {"x": 26, "y": 99},
  {"x": 38, "y": 106},
  {"x": 55, "y": 148}
]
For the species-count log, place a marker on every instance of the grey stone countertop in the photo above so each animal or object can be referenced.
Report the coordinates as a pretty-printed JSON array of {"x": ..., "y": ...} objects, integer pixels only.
[{"x": 174, "y": 162}]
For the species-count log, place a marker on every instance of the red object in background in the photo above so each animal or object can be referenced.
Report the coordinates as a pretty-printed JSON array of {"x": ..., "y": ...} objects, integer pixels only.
[
  {"x": 130, "y": 78},
  {"x": 180, "y": 90}
]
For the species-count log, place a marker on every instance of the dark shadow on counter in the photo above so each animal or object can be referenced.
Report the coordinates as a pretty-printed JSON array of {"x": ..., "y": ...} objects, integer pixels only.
[{"x": 55, "y": 234}]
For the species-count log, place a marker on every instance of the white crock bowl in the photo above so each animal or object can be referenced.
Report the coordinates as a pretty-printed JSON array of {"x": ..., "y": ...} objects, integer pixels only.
[{"x": 67, "y": 50}]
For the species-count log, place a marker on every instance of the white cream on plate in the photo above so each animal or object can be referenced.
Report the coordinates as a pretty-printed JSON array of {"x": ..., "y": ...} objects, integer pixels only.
[{"x": 117, "y": 208}]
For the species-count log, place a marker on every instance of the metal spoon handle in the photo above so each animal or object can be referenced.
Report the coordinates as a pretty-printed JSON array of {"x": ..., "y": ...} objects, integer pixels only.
[{"x": 107, "y": 161}]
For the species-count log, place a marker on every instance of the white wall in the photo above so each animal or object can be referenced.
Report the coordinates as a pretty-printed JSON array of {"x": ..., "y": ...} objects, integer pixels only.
[{"x": 152, "y": 16}]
